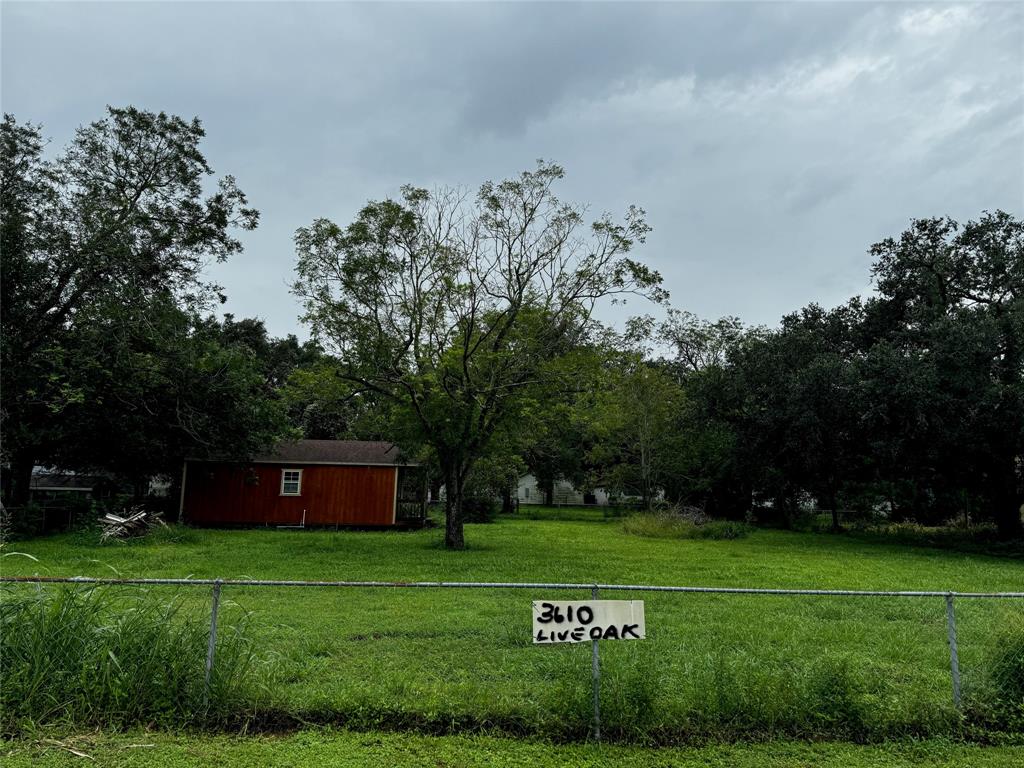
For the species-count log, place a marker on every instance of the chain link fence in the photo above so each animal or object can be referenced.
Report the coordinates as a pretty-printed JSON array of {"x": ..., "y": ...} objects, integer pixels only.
[{"x": 458, "y": 655}]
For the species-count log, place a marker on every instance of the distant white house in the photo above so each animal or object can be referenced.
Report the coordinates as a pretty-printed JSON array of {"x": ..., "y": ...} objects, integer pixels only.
[{"x": 529, "y": 492}]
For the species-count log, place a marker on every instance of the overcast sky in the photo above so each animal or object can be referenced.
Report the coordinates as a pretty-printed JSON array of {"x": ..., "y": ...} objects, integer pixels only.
[{"x": 770, "y": 143}]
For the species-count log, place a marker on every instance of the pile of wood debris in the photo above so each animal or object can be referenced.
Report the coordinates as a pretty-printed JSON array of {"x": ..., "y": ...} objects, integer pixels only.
[{"x": 134, "y": 521}]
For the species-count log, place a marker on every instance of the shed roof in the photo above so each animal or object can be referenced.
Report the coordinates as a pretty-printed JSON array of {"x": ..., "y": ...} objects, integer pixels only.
[
  {"x": 57, "y": 481},
  {"x": 360, "y": 452}
]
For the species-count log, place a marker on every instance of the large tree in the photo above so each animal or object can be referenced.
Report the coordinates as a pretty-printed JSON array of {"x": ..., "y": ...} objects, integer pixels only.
[
  {"x": 455, "y": 305},
  {"x": 637, "y": 446},
  {"x": 955, "y": 294},
  {"x": 125, "y": 213}
]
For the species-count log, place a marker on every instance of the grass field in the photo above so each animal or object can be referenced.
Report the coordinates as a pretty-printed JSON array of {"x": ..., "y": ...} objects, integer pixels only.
[
  {"x": 338, "y": 749},
  {"x": 713, "y": 666}
]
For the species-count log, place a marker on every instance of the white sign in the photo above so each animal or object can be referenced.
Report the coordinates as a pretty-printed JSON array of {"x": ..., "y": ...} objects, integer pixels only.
[{"x": 579, "y": 621}]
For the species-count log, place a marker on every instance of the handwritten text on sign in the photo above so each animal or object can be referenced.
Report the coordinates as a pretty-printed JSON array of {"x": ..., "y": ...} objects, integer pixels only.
[{"x": 580, "y": 621}]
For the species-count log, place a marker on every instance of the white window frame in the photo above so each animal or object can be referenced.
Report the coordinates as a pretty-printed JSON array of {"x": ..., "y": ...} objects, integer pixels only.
[{"x": 298, "y": 490}]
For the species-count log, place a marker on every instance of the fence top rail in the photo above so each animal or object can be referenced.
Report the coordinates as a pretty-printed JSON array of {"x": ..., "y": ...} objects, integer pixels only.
[{"x": 502, "y": 585}]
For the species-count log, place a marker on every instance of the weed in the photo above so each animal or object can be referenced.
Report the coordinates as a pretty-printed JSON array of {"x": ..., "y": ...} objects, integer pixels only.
[
  {"x": 998, "y": 702},
  {"x": 93, "y": 655},
  {"x": 667, "y": 525}
]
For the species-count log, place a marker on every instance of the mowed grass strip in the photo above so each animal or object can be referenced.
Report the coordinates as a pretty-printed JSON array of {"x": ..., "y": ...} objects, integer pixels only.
[
  {"x": 340, "y": 749},
  {"x": 445, "y": 661},
  {"x": 523, "y": 549}
]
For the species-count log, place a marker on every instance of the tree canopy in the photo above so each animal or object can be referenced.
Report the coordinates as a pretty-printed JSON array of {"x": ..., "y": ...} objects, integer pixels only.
[
  {"x": 455, "y": 305},
  {"x": 909, "y": 401},
  {"x": 101, "y": 348}
]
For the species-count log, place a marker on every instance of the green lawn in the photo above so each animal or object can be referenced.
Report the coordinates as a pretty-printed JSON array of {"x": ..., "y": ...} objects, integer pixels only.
[
  {"x": 331, "y": 749},
  {"x": 447, "y": 661}
]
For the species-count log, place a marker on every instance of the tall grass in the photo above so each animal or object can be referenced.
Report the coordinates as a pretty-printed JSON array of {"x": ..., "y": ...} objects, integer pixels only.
[
  {"x": 95, "y": 655},
  {"x": 732, "y": 698},
  {"x": 998, "y": 702},
  {"x": 668, "y": 525}
]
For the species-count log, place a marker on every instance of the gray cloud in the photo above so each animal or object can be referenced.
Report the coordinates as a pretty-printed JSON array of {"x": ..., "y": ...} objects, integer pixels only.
[{"x": 770, "y": 143}]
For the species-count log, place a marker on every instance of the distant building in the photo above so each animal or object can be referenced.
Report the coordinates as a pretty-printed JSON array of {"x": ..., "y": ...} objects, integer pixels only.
[
  {"x": 50, "y": 488},
  {"x": 529, "y": 492}
]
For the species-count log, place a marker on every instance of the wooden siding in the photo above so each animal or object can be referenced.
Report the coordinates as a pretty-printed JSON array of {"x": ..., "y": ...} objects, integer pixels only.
[{"x": 251, "y": 495}]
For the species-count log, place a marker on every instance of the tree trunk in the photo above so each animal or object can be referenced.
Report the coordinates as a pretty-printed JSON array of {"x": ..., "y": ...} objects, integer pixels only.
[
  {"x": 506, "y": 500},
  {"x": 549, "y": 493},
  {"x": 1006, "y": 501},
  {"x": 140, "y": 486},
  {"x": 21, "y": 479},
  {"x": 1007, "y": 497},
  {"x": 6, "y": 486},
  {"x": 454, "y": 480},
  {"x": 894, "y": 511},
  {"x": 835, "y": 512}
]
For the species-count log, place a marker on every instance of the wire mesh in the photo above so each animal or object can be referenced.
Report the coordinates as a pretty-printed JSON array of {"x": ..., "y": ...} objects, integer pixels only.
[
  {"x": 990, "y": 640},
  {"x": 452, "y": 656}
]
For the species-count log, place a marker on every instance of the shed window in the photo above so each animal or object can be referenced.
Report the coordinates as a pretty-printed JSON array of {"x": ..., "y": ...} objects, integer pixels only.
[{"x": 291, "y": 482}]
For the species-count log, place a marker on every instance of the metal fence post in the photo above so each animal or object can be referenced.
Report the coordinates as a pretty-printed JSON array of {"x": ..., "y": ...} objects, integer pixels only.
[
  {"x": 212, "y": 644},
  {"x": 954, "y": 661},
  {"x": 595, "y": 668}
]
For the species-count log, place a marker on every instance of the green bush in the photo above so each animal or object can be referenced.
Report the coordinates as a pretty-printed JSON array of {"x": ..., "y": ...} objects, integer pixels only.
[
  {"x": 673, "y": 526},
  {"x": 23, "y": 522},
  {"x": 479, "y": 509},
  {"x": 101, "y": 656}
]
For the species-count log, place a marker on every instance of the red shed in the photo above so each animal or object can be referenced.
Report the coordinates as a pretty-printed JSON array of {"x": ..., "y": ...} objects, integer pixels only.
[{"x": 307, "y": 482}]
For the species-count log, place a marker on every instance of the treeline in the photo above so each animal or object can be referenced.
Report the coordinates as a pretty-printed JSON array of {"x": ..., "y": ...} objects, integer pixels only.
[
  {"x": 907, "y": 404},
  {"x": 910, "y": 401},
  {"x": 462, "y": 327}
]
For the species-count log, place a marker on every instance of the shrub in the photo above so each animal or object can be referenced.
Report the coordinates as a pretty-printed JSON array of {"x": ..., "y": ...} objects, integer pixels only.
[
  {"x": 23, "y": 522},
  {"x": 668, "y": 525},
  {"x": 98, "y": 656},
  {"x": 479, "y": 509}
]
